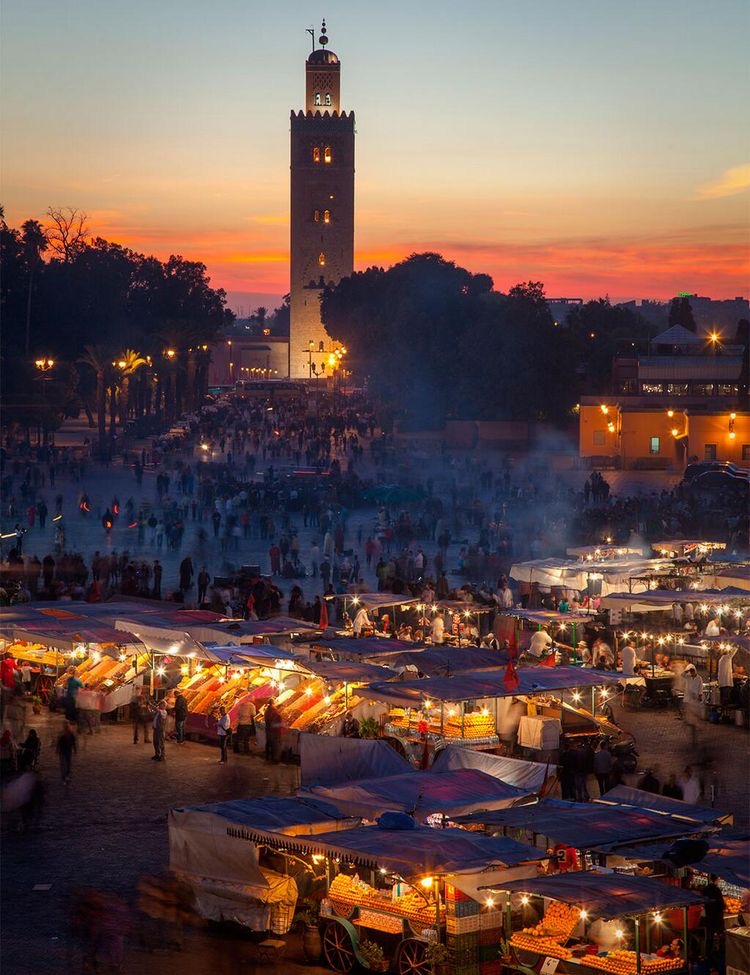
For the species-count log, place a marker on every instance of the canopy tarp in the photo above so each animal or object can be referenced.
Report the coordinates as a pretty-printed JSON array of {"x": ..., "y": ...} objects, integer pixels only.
[
  {"x": 574, "y": 574},
  {"x": 345, "y": 646},
  {"x": 658, "y": 600},
  {"x": 545, "y": 617},
  {"x": 601, "y": 551},
  {"x": 419, "y": 851},
  {"x": 327, "y": 760},
  {"x": 627, "y": 796},
  {"x": 160, "y": 639},
  {"x": 422, "y": 794},
  {"x": 530, "y": 776},
  {"x": 347, "y": 671},
  {"x": 479, "y": 685},
  {"x": 605, "y": 895},
  {"x": 584, "y": 826},
  {"x": 463, "y": 606},
  {"x": 443, "y": 661},
  {"x": 68, "y": 637},
  {"x": 247, "y": 655},
  {"x": 728, "y": 858},
  {"x": 247, "y": 631},
  {"x": 376, "y": 600}
]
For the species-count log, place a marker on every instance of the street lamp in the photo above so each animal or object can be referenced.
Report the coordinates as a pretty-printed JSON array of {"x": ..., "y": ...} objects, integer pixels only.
[{"x": 44, "y": 365}]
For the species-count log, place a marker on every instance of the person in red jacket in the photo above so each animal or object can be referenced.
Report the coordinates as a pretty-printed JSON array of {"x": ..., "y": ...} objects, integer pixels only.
[{"x": 8, "y": 668}]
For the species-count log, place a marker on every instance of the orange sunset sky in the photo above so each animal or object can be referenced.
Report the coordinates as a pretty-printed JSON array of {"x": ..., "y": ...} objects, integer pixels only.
[{"x": 599, "y": 147}]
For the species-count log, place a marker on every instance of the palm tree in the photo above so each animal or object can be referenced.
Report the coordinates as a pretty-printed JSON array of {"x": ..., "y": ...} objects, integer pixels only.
[
  {"x": 128, "y": 365},
  {"x": 35, "y": 242},
  {"x": 99, "y": 359}
]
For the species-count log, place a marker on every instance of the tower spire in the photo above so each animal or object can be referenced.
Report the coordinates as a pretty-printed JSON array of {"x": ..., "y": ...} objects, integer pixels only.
[{"x": 323, "y": 39}]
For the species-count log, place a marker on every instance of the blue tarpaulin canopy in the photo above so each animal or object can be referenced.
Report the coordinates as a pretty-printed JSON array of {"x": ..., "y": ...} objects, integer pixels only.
[
  {"x": 443, "y": 661},
  {"x": 349, "y": 671},
  {"x": 626, "y": 796},
  {"x": 421, "y": 794},
  {"x": 477, "y": 685},
  {"x": 272, "y": 813},
  {"x": 246, "y": 655},
  {"x": 346, "y": 646},
  {"x": 605, "y": 895},
  {"x": 419, "y": 851},
  {"x": 584, "y": 825},
  {"x": 728, "y": 858}
]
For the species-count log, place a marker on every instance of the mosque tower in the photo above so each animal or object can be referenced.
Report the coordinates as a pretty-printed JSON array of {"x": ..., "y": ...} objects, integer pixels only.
[{"x": 322, "y": 208}]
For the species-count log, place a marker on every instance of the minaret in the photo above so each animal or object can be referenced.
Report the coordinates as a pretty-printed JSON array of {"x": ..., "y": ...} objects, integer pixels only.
[{"x": 322, "y": 208}]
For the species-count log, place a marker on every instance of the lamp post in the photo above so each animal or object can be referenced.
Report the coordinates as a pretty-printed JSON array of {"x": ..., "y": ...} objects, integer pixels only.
[{"x": 43, "y": 365}]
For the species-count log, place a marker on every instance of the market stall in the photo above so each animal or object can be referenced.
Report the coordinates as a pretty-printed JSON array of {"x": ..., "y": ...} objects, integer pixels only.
[
  {"x": 478, "y": 709},
  {"x": 226, "y": 676},
  {"x": 107, "y": 661},
  {"x": 587, "y": 919},
  {"x": 578, "y": 828},
  {"x": 315, "y": 696},
  {"x": 394, "y": 889},
  {"x": 208, "y": 849}
]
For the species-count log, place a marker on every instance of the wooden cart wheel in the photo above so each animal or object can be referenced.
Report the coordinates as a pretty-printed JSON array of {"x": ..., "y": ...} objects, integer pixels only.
[
  {"x": 411, "y": 958},
  {"x": 337, "y": 948}
]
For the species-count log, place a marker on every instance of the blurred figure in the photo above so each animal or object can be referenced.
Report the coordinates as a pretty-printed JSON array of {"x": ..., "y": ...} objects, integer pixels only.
[{"x": 66, "y": 747}]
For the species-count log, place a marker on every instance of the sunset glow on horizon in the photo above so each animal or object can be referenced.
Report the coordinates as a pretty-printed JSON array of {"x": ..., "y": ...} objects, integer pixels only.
[{"x": 595, "y": 148}]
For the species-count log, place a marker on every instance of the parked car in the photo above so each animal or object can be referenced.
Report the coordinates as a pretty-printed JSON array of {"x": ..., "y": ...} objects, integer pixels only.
[{"x": 692, "y": 471}]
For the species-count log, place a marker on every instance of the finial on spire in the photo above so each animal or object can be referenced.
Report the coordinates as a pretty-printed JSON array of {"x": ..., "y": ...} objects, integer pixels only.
[{"x": 323, "y": 39}]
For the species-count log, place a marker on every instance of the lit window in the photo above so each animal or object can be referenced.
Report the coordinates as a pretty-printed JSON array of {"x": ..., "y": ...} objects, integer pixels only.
[
  {"x": 317, "y": 98},
  {"x": 709, "y": 451},
  {"x": 727, "y": 389},
  {"x": 703, "y": 389},
  {"x": 316, "y": 154},
  {"x": 746, "y": 451},
  {"x": 652, "y": 389},
  {"x": 322, "y": 259},
  {"x": 328, "y": 98},
  {"x": 326, "y": 216},
  {"x": 316, "y": 215},
  {"x": 655, "y": 445},
  {"x": 599, "y": 439},
  {"x": 327, "y": 154},
  {"x": 677, "y": 389}
]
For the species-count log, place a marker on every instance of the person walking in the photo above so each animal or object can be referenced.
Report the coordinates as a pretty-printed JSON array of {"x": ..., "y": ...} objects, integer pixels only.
[
  {"x": 603, "y": 767},
  {"x": 245, "y": 726},
  {"x": 180, "y": 717},
  {"x": 72, "y": 687},
  {"x": 186, "y": 574},
  {"x": 66, "y": 747},
  {"x": 224, "y": 731},
  {"x": 139, "y": 715},
  {"x": 203, "y": 580},
  {"x": 159, "y": 727},
  {"x": 157, "y": 579}
]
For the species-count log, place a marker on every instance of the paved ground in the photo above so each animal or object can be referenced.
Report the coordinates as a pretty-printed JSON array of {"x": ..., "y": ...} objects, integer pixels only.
[{"x": 108, "y": 828}]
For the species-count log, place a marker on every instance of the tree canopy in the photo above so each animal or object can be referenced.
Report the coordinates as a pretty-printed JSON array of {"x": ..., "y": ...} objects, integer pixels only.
[{"x": 437, "y": 340}]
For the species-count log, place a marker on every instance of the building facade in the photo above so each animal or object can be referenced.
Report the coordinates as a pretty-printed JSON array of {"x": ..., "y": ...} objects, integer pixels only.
[
  {"x": 322, "y": 209},
  {"x": 684, "y": 401}
]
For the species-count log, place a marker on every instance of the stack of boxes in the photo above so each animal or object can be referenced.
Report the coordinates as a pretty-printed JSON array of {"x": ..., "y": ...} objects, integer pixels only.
[{"x": 473, "y": 934}]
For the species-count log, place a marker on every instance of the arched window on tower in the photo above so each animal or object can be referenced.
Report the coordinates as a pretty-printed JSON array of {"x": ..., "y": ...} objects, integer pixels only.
[
  {"x": 328, "y": 154},
  {"x": 322, "y": 259},
  {"x": 316, "y": 100},
  {"x": 316, "y": 215},
  {"x": 316, "y": 154},
  {"x": 328, "y": 98},
  {"x": 326, "y": 216}
]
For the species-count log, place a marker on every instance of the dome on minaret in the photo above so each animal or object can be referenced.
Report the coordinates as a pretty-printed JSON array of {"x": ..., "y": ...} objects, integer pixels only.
[{"x": 322, "y": 56}]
